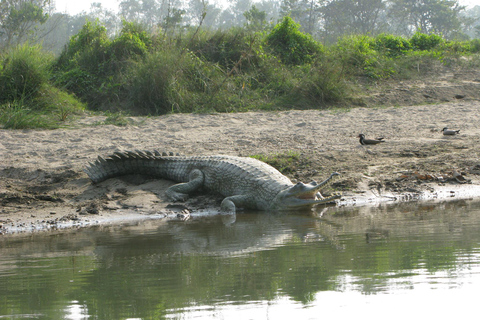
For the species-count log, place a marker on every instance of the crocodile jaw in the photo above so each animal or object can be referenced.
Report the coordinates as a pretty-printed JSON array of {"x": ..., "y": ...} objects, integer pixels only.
[{"x": 303, "y": 195}]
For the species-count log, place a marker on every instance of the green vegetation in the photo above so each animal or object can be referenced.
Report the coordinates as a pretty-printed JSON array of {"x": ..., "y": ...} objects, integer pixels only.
[
  {"x": 143, "y": 73},
  {"x": 290, "y": 45},
  {"x": 283, "y": 162},
  {"x": 27, "y": 97},
  {"x": 117, "y": 119}
]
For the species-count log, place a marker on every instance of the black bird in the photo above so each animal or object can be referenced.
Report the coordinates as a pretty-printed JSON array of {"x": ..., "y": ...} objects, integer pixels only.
[
  {"x": 450, "y": 132},
  {"x": 364, "y": 141}
]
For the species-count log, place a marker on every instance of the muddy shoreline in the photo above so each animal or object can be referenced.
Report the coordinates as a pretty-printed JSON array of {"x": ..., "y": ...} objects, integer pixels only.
[{"x": 43, "y": 187}]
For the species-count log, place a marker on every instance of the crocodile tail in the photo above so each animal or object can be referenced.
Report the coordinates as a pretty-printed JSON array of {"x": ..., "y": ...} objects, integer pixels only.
[{"x": 123, "y": 163}]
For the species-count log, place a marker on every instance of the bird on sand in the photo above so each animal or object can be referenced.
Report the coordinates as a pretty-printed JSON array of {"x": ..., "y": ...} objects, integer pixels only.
[
  {"x": 450, "y": 132},
  {"x": 364, "y": 141}
]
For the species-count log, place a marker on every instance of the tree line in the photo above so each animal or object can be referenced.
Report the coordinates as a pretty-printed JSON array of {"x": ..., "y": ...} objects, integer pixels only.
[{"x": 325, "y": 20}]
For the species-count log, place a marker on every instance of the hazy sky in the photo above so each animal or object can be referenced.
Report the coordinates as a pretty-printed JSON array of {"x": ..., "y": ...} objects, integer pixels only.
[{"x": 74, "y": 7}]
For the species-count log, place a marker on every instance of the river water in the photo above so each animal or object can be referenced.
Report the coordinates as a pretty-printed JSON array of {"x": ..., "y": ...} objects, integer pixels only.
[{"x": 415, "y": 260}]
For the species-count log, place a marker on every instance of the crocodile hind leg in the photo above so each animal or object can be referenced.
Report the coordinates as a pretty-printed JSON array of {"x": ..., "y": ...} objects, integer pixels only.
[{"x": 179, "y": 192}]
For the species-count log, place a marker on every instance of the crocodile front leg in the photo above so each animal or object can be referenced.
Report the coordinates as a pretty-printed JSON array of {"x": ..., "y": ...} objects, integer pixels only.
[
  {"x": 229, "y": 204},
  {"x": 179, "y": 192}
]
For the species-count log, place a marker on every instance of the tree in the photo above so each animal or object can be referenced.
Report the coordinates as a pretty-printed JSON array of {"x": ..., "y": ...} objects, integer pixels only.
[
  {"x": 472, "y": 16},
  {"x": 297, "y": 10},
  {"x": 153, "y": 13},
  {"x": 426, "y": 16},
  {"x": 108, "y": 18},
  {"x": 256, "y": 19},
  {"x": 130, "y": 10},
  {"x": 306, "y": 12},
  {"x": 56, "y": 31},
  {"x": 236, "y": 10},
  {"x": 173, "y": 19},
  {"x": 347, "y": 17},
  {"x": 18, "y": 19},
  {"x": 272, "y": 9},
  {"x": 201, "y": 11}
]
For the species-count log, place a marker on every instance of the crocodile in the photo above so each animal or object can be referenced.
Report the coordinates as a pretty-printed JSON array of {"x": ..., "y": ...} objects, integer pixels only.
[{"x": 245, "y": 182}]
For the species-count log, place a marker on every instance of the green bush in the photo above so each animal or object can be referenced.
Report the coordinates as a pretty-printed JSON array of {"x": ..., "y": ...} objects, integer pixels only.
[
  {"x": 15, "y": 115},
  {"x": 462, "y": 47},
  {"x": 234, "y": 70},
  {"x": 475, "y": 46},
  {"x": 322, "y": 84},
  {"x": 132, "y": 42},
  {"x": 290, "y": 45},
  {"x": 77, "y": 80},
  {"x": 149, "y": 84},
  {"x": 273, "y": 78},
  {"x": 225, "y": 47},
  {"x": 57, "y": 102},
  {"x": 27, "y": 98},
  {"x": 359, "y": 58},
  {"x": 25, "y": 70},
  {"x": 417, "y": 63},
  {"x": 391, "y": 45},
  {"x": 88, "y": 48},
  {"x": 84, "y": 66},
  {"x": 92, "y": 65},
  {"x": 421, "y": 41},
  {"x": 355, "y": 51}
]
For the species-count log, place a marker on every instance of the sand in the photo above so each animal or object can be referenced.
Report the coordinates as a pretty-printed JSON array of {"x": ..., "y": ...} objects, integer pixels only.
[{"x": 43, "y": 187}]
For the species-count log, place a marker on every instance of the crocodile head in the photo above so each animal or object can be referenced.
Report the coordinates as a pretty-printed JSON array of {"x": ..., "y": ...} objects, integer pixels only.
[{"x": 303, "y": 195}]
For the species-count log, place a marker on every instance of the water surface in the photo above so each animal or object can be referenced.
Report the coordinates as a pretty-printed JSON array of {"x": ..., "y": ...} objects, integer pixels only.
[{"x": 413, "y": 259}]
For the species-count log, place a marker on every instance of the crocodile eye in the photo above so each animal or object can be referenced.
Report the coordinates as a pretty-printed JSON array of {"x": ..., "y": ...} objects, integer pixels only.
[{"x": 298, "y": 186}]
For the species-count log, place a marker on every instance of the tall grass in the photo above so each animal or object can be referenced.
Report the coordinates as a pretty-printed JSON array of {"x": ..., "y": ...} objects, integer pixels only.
[
  {"x": 211, "y": 71},
  {"x": 27, "y": 98},
  {"x": 149, "y": 86},
  {"x": 235, "y": 70},
  {"x": 16, "y": 115},
  {"x": 25, "y": 70}
]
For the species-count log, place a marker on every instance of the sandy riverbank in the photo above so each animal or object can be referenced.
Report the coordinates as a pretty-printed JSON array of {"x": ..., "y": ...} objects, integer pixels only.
[{"x": 42, "y": 184}]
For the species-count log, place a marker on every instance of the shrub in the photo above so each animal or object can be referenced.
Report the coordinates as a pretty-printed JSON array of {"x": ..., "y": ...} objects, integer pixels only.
[
  {"x": 84, "y": 65},
  {"x": 88, "y": 48},
  {"x": 283, "y": 162},
  {"x": 475, "y": 46},
  {"x": 224, "y": 47},
  {"x": 421, "y": 41},
  {"x": 358, "y": 58},
  {"x": 15, "y": 115},
  {"x": 92, "y": 65},
  {"x": 273, "y": 78},
  {"x": 290, "y": 45},
  {"x": 132, "y": 42},
  {"x": 418, "y": 63},
  {"x": 149, "y": 83},
  {"x": 391, "y": 45},
  {"x": 355, "y": 50},
  {"x": 57, "y": 102},
  {"x": 77, "y": 80},
  {"x": 322, "y": 84},
  {"x": 25, "y": 70},
  {"x": 27, "y": 98}
]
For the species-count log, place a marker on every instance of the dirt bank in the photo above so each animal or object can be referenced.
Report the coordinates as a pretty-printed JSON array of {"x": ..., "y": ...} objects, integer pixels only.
[{"x": 42, "y": 185}]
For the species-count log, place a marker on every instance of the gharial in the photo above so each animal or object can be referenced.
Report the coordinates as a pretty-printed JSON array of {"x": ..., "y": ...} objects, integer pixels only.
[{"x": 244, "y": 182}]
